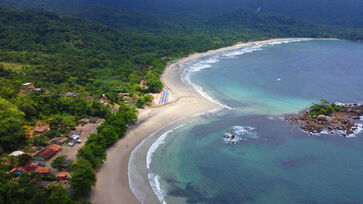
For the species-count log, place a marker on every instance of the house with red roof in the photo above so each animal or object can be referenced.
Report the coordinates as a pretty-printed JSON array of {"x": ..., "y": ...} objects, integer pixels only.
[
  {"x": 42, "y": 170},
  {"x": 24, "y": 169},
  {"x": 47, "y": 152}
]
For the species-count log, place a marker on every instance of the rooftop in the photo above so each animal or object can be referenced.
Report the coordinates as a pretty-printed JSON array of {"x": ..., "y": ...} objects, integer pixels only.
[
  {"x": 42, "y": 170},
  {"x": 16, "y": 153},
  {"x": 48, "y": 151}
]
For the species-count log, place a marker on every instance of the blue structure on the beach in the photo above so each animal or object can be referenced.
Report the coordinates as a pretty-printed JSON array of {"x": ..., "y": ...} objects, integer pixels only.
[{"x": 165, "y": 96}]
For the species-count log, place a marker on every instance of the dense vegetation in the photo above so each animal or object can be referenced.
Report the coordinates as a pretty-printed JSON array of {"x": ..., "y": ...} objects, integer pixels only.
[
  {"x": 98, "y": 51},
  {"x": 325, "y": 108}
]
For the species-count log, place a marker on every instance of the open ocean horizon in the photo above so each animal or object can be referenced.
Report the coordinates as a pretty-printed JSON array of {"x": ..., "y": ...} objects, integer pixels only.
[{"x": 271, "y": 161}]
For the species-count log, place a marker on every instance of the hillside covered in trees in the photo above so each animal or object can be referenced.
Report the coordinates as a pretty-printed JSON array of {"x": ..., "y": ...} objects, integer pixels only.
[{"x": 330, "y": 12}]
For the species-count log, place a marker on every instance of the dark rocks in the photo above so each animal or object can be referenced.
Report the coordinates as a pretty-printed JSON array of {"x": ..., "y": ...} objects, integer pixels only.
[
  {"x": 321, "y": 117},
  {"x": 344, "y": 120}
]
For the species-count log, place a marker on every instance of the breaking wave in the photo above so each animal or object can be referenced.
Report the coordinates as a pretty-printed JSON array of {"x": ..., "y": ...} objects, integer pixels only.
[
  {"x": 154, "y": 179},
  {"x": 239, "y": 134}
]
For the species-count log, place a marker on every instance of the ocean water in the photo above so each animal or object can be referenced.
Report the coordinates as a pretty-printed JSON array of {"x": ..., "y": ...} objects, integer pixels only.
[{"x": 271, "y": 161}]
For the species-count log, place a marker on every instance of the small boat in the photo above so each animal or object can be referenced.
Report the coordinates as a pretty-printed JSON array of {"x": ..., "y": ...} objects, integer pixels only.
[{"x": 279, "y": 79}]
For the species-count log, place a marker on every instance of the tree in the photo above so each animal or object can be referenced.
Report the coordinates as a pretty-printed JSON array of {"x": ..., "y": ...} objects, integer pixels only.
[
  {"x": 62, "y": 122},
  {"x": 12, "y": 134},
  {"x": 148, "y": 98},
  {"x": 58, "y": 163},
  {"x": 24, "y": 159},
  {"x": 83, "y": 178},
  {"x": 58, "y": 195},
  {"x": 140, "y": 102},
  {"x": 153, "y": 83}
]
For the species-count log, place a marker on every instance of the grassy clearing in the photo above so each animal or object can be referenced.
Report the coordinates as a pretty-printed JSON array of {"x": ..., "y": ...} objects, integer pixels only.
[{"x": 13, "y": 66}]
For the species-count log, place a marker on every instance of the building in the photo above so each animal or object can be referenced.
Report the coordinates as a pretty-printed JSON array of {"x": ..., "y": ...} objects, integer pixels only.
[
  {"x": 84, "y": 121},
  {"x": 47, "y": 152},
  {"x": 24, "y": 169},
  {"x": 63, "y": 175},
  {"x": 41, "y": 129},
  {"x": 29, "y": 85},
  {"x": 58, "y": 140},
  {"x": 73, "y": 134},
  {"x": 16, "y": 153},
  {"x": 42, "y": 170}
]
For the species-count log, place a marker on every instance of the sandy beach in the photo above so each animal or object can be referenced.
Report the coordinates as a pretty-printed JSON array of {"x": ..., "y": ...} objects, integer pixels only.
[{"x": 184, "y": 102}]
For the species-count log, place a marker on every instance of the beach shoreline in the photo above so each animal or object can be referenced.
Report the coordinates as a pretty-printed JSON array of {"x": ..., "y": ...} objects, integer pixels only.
[{"x": 184, "y": 103}]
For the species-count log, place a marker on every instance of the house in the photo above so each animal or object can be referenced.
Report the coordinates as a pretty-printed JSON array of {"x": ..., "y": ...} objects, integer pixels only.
[
  {"x": 16, "y": 153},
  {"x": 58, "y": 140},
  {"x": 41, "y": 129},
  {"x": 84, "y": 121},
  {"x": 47, "y": 152},
  {"x": 24, "y": 169},
  {"x": 37, "y": 89},
  {"x": 63, "y": 175},
  {"x": 42, "y": 170},
  {"x": 29, "y": 85},
  {"x": 164, "y": 58}
]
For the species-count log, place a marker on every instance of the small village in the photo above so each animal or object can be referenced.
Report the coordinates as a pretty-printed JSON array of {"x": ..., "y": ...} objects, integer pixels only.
[{"x": 53, "y": 160}]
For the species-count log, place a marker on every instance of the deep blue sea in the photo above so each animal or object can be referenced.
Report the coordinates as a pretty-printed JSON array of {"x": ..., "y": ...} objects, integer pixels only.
[{"x": 273, "y": 161}]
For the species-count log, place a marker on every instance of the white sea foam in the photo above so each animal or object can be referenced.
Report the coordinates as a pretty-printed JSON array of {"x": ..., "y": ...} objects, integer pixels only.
[
  {"x": 256, "y": 47},
  {"x": 240, "y": 133},
  {"x": 199, "y": 89},
  {"x": 154, "y": 179},
  {"x": 155, "y": 185},
  {"x": 133, "y": 181},
  {"x": 358, "y": 126},
  {"x": 156, "y": 144}
]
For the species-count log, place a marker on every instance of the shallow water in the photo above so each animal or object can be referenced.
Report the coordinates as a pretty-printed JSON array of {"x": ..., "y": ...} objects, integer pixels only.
[{"x": 273, "y": 162}]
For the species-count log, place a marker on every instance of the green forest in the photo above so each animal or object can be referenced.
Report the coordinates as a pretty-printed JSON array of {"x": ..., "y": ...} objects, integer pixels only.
[{"x": 91, "y": 52}]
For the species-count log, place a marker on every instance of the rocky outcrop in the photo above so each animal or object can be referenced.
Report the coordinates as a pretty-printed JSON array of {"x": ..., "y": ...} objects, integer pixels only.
[{"x": 345, "y": 121}]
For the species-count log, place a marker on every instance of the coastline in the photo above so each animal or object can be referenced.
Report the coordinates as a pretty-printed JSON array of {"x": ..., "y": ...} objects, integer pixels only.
[{"x": 112, "y": 178}]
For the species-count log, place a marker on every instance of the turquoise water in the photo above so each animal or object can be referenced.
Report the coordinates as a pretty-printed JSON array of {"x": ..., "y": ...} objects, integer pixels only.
[{"x": 274, "y": 162}]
